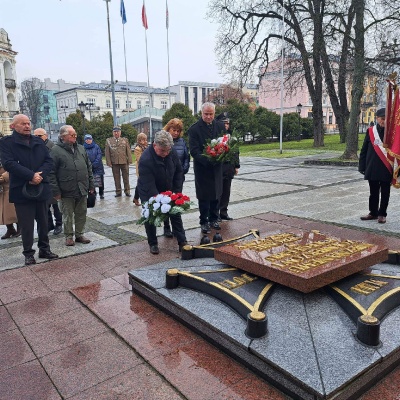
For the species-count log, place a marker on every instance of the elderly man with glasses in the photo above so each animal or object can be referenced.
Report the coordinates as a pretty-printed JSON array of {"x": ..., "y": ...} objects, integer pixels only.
[
  {"x": 71, "y": 181},
  {"x": 161, "y": 171}
]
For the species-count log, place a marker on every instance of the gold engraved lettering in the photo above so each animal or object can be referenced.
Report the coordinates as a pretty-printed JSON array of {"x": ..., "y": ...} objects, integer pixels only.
[
  {"x": 237, "y": 281},
  {"x": 368, "y": 286},
  {"x": 286, "y": 252}
]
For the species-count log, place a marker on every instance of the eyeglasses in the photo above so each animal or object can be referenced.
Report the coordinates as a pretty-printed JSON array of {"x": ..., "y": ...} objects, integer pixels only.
[
  {"x": 39, "y": 135},
  {"x": 72, "y": 135}
]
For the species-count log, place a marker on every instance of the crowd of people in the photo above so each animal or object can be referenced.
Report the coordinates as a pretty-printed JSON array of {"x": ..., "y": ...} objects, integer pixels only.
[{"x": 49, "y": 182}]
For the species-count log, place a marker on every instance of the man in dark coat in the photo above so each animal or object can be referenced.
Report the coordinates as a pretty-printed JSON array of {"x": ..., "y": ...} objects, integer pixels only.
[
  {"x": 40, "y": 132},
  {"x": 375, "y": 167},
  {"x": 28, "y": 162},
  {"x": 207, "y": 175},
  {"x": 161, "y": 171}
]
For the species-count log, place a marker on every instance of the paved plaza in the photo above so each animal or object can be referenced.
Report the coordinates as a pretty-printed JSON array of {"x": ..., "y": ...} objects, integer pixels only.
[{"x": 72, "y": 329}]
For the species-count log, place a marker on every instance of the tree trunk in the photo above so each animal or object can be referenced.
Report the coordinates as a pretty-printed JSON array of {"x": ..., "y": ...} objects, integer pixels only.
[{"x": 357, "y": 83}]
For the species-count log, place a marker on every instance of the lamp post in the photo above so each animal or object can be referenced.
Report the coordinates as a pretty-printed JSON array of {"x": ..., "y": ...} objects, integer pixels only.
[
  {"x": 82, "y": 108},
  {"x": 298, "y": 109},
  {"x": 65, "y": 112}
]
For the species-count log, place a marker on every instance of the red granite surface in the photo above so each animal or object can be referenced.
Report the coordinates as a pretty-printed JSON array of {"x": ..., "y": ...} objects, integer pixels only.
[{"x": 258, "y": 260}]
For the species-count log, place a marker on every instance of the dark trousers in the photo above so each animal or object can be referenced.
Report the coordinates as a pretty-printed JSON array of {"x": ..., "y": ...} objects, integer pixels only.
[
  {"x": 226, "y": 194},
  {"x": 376, "y": 187},
  {"x": 177, "y": 230},
  {"x": 27, "y": 213},
  {"x": 57, "y": 217},
  {"x": 136, "y": 196},
  {"x": 208, "y": 211}
]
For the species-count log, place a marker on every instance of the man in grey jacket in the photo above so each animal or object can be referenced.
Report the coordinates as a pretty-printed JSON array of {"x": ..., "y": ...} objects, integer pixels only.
[{"x": 71, "y": 180}]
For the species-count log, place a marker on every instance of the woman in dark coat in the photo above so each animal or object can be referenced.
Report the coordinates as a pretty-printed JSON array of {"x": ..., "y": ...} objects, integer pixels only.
[
  {"x": 95, "y": 156},
  {"x": 161, "y": 171},
  {"x": 175, "y": 128},
  {"x": 375, "y": 170}
]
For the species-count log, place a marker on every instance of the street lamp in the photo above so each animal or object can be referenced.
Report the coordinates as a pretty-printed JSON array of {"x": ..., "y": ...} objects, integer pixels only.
[
  {"x": 298, "y": 109},
  {"x": 65, "y": 112},
  {"x": 82, "y": 108}
]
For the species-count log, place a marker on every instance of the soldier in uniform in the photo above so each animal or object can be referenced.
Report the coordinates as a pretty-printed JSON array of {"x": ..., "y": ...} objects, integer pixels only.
[{"x": 118, "y": 157}]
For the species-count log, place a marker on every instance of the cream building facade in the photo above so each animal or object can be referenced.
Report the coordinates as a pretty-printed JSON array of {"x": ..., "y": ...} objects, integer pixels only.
[
  {"x": 9, "y": 104},
  {"x": 129, "y": 97}
]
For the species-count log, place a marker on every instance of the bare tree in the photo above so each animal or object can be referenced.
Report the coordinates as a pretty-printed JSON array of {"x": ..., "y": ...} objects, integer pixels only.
[
  {"x": 32, "y": 99},
  {"x": 223, "y": 93},
  {"x": 322, "y": 39}
]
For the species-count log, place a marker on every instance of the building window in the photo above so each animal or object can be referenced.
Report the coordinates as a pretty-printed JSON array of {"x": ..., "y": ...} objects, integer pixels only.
[
  {"x": 91, "y": 101},
  {"x": 108, "y": 103},
  {"x": 186, "y": 96},
  {"x": 147, "y": 103},
  {"x": 45, "y": 98},
  {"x": 117, "y": 103},
  {"x": 128, "y": 104},
  {"x": 139, "y": 104},
  {"x": 195, "y": 99},
  {"x": 203, "y": 95},
  {"x": 163, "y": 105}
]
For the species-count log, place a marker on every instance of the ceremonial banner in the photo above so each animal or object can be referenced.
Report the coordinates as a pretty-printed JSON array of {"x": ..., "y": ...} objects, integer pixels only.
[{"x": 392, "y": 129}]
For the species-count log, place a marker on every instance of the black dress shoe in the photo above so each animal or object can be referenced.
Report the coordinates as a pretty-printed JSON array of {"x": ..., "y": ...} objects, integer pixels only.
[
  {"x": 30, "y": 260},
  {"x": 154, "y": 249},
  {"x": 215, "y": 225},
  {"x": 205, "y": 228},
  {"x": 168, "y": 233},
  {"x": 118, "y": 195},
  {"x": 128, "y": 195},
  {"x": 226, "y": 217},
  {"x": 47, "y": 254},
  {"x": 57, "y": 230}
]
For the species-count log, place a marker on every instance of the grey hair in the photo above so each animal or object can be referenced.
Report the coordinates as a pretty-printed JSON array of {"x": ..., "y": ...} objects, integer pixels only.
[
  {"x": 64, "y": 130},
  {"x": 208, "y": 104},
  {"x": 163, "y": 139}
]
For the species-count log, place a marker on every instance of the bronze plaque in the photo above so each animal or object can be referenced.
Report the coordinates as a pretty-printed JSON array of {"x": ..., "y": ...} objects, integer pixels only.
[{"x": 304, "y": 261}]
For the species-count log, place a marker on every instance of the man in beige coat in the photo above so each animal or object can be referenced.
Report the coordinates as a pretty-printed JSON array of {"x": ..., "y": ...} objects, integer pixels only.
[{"x": 118, "y": 157}]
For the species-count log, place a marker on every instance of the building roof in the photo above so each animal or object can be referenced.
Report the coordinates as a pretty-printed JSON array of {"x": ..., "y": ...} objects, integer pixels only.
[{"x": 118, "y": 88}]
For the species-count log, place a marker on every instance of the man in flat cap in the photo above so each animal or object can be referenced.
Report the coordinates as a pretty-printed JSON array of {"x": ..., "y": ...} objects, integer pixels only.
[
  {"x": 375, "y": 167},
  {"x": 118, "y": 157}
]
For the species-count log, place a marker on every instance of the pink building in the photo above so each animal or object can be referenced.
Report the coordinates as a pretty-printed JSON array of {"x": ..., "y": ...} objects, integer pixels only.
[{"x": 270, "y": 97}]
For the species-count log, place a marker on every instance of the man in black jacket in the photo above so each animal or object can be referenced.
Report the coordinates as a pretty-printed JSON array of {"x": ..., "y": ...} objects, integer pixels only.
[
  {"x": 375, "y": 167},
  {"x": 161, "y": 171},
  {"x": 207, "y": 175},
  {"x": 27, "y": 159}
]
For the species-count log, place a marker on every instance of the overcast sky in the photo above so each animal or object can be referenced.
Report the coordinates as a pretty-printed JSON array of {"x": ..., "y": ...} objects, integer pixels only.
[{"x": 68, "y": 39}]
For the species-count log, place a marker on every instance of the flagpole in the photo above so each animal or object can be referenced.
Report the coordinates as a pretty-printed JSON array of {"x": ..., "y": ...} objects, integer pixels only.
[
  {"x": 144, "y": 20},
  {"x": 126, "y": 70},
  {"x": 111, "y": 66},
  {"x": 167, "y": 25}
]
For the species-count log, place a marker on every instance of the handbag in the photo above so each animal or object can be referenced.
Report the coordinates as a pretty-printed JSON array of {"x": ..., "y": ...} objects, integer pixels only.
[
  {"x": 91, "y": 200},
  {"x": 97, "y": 181}
]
